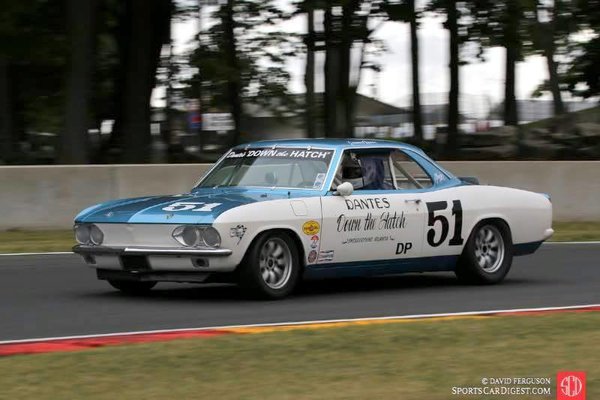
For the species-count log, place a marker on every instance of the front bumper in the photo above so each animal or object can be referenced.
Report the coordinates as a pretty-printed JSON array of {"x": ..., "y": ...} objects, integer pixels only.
[
  {"x": 139, "y": 259},
  {"x": 150, "y": 251}
]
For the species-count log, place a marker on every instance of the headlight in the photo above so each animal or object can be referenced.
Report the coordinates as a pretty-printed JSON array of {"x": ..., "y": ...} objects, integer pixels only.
[
  {"x": 197, "y": 236},
  {"x": 88, "y": 234},
  {"x": 82, "y": 234},
  {"x": 96, "y": 235},
  {"x": 211, "y": 237}
]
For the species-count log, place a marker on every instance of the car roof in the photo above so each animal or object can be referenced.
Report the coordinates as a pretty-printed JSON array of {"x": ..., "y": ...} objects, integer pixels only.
[{"x": 332, "y": 143}]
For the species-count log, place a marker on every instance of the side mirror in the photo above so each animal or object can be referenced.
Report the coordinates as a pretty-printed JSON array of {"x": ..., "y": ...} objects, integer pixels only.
[
  {"x": 472, "y": 180},
  {"x": 344, "y": 189}
]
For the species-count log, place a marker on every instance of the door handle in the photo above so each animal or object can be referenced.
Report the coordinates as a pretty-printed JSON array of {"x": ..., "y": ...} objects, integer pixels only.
[{"x": 417, "y": 201}]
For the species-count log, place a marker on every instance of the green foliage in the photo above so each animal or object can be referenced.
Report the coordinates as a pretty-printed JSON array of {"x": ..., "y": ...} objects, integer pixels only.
[
  {"x": 33, "y": 42},
  {"x": 261, "y": 52},
  {"x": 582, "y": 76}
]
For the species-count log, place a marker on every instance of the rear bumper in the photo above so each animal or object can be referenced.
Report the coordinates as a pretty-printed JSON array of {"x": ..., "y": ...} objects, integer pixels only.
[{"x": 523, "y": 249}]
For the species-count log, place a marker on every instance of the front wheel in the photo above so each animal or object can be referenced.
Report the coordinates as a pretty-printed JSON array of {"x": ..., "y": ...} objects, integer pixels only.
[
  {"x": 487, "y": 256},
  {"x": 132, "y": 287},
  {"x": 271, "y": 268}
]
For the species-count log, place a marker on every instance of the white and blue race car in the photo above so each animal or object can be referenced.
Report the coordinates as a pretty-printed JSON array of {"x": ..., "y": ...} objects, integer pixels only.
[{"x": 270, "y": 213}]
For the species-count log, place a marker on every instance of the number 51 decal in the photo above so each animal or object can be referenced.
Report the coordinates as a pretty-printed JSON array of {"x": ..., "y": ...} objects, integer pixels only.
[
  {"x": 457, "y": 213},
  {"x": 191, "y": 206}
]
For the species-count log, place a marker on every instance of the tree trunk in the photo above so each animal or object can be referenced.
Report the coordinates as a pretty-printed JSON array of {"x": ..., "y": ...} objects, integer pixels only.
[
  {"x": 233, "y": 85},
  {"x": 149, "y": 30},
  {"x": 549, "y": 50},
  {"x": 73, "y": 143},
  {"x": 511, "y": 39},
  {"x": 453, "y": 112},
  {"x": 167, "y": 129},
  {"x": 331, "y": 70},
  {"x": 510, "y": 101},
  {"x": 414, "y": 56},
  {"x": 309, "y": 76},
  {"x": 8, "y": 142},
  {"x": 553, "y": 81}
]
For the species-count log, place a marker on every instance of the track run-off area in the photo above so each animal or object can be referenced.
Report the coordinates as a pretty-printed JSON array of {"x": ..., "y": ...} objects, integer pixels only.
[{"x": 56, "y": 295}]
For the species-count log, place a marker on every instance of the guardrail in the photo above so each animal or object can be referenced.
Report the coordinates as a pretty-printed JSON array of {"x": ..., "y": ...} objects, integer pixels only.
[{"x": 50, "y": 196}]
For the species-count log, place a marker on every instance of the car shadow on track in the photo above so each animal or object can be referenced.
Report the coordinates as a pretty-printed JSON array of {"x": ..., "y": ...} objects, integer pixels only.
[{"x": 312, "y": 289}]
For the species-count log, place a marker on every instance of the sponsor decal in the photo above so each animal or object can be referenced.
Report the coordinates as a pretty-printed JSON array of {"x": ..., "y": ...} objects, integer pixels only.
[
  {"x": 570, "y": 385},
  {"x": 191, "y": 206},
  {"x": 357, "y": 142},
  {"x": 326, "y": 255},
  {"x": 368, "y": 239},
  {"x": 312, "y": 256},
  {"x": 439, "y": 177},
  {"x": 238, "y": 232},
  {"x": 385, "y": 221},
  {"x": 367, "y": 203},
  {"x": 311, "y": 227},
  {"x": 319, "y": 179},
  {"x": 314, "y": 242},
  {"x": 324, "y": 155},
  {"x": 403, "y": 248}
]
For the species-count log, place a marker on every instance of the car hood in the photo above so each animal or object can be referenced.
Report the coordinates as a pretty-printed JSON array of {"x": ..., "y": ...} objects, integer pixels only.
[{"x": 203, "y": 207}]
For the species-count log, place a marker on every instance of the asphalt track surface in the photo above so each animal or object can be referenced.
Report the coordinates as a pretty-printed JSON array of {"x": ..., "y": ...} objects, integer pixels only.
[{"x": 57, "y": 295}]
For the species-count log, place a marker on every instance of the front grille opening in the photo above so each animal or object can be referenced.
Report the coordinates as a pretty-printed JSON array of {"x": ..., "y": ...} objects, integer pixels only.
[
  {"x": 200, "y": 262},
  {"x": 135, "y": 263}
]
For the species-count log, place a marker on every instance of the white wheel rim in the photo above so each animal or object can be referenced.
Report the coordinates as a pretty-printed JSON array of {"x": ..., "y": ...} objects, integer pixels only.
[{"x": 489, "y": 248}]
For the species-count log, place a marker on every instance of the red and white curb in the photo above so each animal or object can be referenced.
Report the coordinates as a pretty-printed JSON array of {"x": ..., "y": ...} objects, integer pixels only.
[{"x": 86, "y": 342}]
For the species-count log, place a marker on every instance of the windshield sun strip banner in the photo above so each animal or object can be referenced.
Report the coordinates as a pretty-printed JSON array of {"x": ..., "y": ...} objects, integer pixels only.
[{"x": 287, "y": 153}]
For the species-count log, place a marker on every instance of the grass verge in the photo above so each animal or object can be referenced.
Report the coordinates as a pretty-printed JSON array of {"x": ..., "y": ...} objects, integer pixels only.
[
  {"x": 414, "y": 360},
  {"x": 24, "y": 241}
]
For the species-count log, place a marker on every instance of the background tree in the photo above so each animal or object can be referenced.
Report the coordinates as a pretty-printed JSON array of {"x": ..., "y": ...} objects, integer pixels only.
[
  {"x": 456, "y": 25},
  {"x": 73, "y": 143},
  {"x": 551, "y": 29},
  {"x": 242, "y": 57},
  {"x": 145, "y": 28},
  {"x": 582, "y": 75},
  {"x": 405, "y": 11},
  {"x": 346, "y": 27},
  {"x": 32, "y": 59},
  {"x": 310, "y": 114},
  {"x": 505, "y": 24}
]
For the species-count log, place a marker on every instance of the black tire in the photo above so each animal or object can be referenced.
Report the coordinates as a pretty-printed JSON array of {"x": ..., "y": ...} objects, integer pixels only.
[
  {"x": 132, "y": 287},
  {"x": 477, "y": 264},
  {"x": 262, "y": 259}
]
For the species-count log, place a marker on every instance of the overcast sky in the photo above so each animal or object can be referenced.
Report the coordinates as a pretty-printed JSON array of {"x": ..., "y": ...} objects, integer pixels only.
[{"x": 484, "y": 80}]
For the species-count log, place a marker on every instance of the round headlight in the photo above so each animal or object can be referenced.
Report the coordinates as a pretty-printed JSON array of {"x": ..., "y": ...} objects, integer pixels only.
[
  {"x": 82, "y": 234},
  {"x": 96, "y": 235},
  {"x": 211, "y": 237},
  {"x": 187, "y": 235}
]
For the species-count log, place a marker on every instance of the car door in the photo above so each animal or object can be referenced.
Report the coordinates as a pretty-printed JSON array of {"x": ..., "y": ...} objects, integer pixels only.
[
  {"x": 377, "y": 221},
  {"x": 442, "y": 235}
]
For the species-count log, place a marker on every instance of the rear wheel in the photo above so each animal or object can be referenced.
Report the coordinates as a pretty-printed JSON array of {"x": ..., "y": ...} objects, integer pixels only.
[
  {"x": 132, "y": 287},
  {"x": 271, "y": 267},
  {"x": 487, "y": 256}
]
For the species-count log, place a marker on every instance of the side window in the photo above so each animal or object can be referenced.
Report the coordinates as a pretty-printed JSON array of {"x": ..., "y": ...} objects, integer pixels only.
[
  {"x": 366, "y": 170},
  {"x": 407, "y": 173}
]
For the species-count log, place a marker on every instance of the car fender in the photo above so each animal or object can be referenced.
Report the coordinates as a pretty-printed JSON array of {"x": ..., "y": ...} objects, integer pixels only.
[{"x": 241, "y": 225}]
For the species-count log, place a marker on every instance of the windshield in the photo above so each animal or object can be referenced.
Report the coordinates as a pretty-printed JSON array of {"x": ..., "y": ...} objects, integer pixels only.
[{"x": 267, "y": 167}]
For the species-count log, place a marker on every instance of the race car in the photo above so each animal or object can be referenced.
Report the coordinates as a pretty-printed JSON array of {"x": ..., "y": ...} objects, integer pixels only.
[{"x": 271, "y": 213}]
